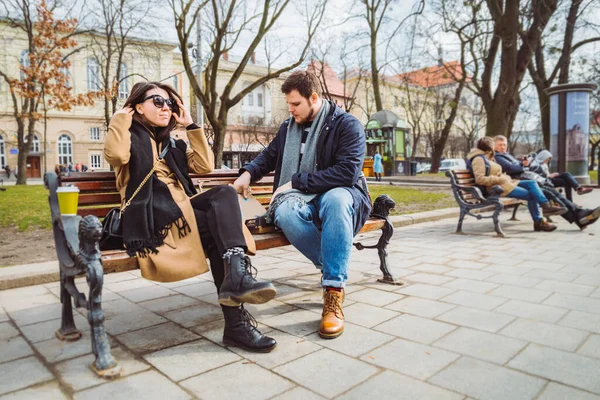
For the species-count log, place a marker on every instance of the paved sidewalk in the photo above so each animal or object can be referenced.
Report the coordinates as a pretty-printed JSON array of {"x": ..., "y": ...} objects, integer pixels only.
[{"x": 480, "y": 317}]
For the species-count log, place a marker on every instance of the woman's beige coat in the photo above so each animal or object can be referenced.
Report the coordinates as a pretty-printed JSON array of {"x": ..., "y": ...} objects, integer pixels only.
[
  {"x": 178, "y": 258},
  {"x": 496, "y": 176}
]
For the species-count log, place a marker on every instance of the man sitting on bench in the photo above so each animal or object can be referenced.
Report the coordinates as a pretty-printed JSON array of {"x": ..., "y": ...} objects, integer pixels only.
[{"x": 318, "y": 201}]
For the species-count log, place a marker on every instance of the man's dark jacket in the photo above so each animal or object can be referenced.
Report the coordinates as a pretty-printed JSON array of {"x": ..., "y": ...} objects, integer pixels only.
[
  {"x": 510, "y": 165},
  {"x": 340, "y": 154}
]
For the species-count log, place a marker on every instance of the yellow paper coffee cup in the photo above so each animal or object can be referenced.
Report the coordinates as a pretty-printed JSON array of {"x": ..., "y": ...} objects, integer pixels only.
[{"x": 68, "y": 198}]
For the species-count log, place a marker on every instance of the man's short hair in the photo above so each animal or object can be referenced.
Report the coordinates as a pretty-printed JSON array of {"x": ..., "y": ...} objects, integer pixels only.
[
  {"x": 304, "y": 82},
  {"x": 497, "y": 138}
]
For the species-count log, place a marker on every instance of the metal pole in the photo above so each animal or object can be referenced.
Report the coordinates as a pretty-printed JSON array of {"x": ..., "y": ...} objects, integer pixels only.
[{"x": 200, "y": 111}]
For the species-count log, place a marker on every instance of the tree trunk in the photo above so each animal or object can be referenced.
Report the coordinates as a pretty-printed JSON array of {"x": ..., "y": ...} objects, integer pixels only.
[
  {"x": 544, "y": 102},
  {"x": 24, "y": 148},
  {"x": 436, "y": 156},
  {"x": 375, "y": 74},
  {"x": 219, "y": 142}
]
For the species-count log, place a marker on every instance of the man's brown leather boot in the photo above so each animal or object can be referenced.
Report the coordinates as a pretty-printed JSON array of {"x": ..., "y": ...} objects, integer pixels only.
[{"x": 332, "y": 319}]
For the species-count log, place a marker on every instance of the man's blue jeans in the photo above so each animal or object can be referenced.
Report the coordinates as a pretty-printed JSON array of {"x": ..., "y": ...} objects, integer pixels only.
[
  {"x": 322, "y": 230},
  {"x": 530, "y": 191}
]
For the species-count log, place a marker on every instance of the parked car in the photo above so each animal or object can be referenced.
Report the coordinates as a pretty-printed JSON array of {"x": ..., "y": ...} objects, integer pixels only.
[
  {"x": 452, "y": 163},
  {"x": 423, "y": 168}
]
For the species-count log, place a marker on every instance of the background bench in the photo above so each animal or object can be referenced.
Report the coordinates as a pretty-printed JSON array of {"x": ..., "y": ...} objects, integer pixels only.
[
  {"x": 469, "y": 197},
  {"x": 76, "y": 239}
]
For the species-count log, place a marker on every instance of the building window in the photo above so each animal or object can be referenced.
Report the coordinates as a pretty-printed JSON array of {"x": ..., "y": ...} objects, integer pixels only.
[
  {"x": 35, "y": 147},
  {"x": 95, "y": 134},
  {"x": 2, "y": 152},
  {"x": 124, "y": 83},
  {"x": 67, "y": 74},
  {"x": 259, "y": 99},
  {"x": 93, "y": 74},
  {"x": 250, "y": 99},
  {"x": 95, "y": 161},
  {"x": 65, "y": 150},
  {"x": 25, "y": 62},
  {"x": 176, "y": 83}
]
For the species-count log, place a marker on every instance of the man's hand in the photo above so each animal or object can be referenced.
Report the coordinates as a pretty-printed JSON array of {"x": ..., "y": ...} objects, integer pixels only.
[
  {"x": 553, "y": 175},
  {"x": 525, "y": 162},
  {"x": 242, "y": 184},
  {"x": 281, "y": 189}
]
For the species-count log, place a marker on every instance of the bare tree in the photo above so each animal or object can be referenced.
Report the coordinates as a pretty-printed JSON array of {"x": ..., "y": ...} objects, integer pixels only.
[
  {"x": 42, "y": 84},
  {"x": 112, "y": 38},
  {"x": 468, "y": 127},
  {"x": 559, "y": 49},
  {"x": 227, "y": 23},
  {"x": 501, "y": 37},
  {"x": 376, "y": 15}
]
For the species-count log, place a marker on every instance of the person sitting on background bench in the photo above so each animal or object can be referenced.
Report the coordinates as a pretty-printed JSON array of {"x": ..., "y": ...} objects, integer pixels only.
[
  {"x": 538, "y": 171},
  {"x": 565, "y": 179},
  {"x": 488, "y": 173},
  {"x": 318, "y": 201},
  {"x": 514, "y": 168},
  {"x": 166, "y": 224}
]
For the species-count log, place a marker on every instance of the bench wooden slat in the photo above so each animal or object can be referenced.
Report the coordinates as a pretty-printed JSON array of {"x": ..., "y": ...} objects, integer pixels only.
[
  {"x": 119, "y": 261},
  {"x": 99, "y": 212},
  {"x": 93, "y": 186},
  {"x": 86, "y": 198}
]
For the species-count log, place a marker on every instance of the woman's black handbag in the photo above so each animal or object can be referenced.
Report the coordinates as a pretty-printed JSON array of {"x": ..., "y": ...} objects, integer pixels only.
[{"x": 112, "y": 232}]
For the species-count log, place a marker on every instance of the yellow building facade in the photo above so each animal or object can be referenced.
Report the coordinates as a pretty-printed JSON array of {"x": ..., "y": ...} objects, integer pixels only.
[{"x": 77, "y": 137}]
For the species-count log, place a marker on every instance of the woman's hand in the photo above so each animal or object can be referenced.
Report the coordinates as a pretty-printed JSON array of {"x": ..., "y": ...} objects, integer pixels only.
[
  {"x": 125, "y": 110},
  {"x": 184, "y": 118}
]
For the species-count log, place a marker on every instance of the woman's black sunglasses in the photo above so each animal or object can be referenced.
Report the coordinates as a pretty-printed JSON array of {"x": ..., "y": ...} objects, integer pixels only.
[{"x": 160, "y": 101}]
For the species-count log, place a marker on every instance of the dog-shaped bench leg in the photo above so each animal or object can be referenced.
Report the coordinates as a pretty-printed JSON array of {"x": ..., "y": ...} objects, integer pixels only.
[
  {"x": 382, "y": 206},
  {"x": 90, "y": 232}
]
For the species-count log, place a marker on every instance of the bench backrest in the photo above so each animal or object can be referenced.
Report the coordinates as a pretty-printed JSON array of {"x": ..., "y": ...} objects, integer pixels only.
[
  {"x": 460, "y": 178},
  {"x": 98, "y": 192}
]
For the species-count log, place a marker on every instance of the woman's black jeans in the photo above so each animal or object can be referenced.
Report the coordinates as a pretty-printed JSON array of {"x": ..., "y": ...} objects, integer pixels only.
[{"x": 219, "y": 221}]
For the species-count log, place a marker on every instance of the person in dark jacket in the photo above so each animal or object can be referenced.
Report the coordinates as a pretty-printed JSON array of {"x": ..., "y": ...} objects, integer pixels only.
[
  {"x": 319, "y": 200},
  {"x": 514, "y": 168}
]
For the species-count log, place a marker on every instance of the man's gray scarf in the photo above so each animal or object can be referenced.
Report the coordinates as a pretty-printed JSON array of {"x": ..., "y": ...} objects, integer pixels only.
[{"x": 291, "y": 158}]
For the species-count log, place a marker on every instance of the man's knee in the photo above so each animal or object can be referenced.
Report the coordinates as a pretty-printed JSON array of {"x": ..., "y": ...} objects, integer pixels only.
[
  {"x": 336, "y": 201},
  {"x": 290, "y": 212}
]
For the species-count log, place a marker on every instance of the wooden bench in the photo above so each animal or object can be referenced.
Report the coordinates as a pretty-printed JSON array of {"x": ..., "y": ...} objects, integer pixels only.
[
  {"x": 469, "y": 197},
  {"x": 76, "y": 238}
]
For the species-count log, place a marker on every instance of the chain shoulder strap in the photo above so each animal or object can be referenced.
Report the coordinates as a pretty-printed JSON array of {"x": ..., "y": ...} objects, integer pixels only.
[
  {"x": 158, "y": 161},
  {"x": 128, "y": 202}
]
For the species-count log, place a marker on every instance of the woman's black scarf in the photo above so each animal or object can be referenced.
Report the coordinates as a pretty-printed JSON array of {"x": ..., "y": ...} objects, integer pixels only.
[{"x": 152, "y": 212}]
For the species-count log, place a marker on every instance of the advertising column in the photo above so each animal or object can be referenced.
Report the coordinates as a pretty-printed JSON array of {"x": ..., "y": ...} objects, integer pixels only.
[{"x": 570, "y": 128}]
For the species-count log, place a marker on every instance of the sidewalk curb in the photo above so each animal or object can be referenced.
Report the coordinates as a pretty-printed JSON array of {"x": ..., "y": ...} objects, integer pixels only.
[{"x": 34, "y": 274}]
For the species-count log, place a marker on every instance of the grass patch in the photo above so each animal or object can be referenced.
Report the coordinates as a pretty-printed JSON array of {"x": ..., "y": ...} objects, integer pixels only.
[
  {"x": 413, "y": 200},
  {"x": 594, "y": 175},
  {"x": 437, "y": 174},
  {"x": 25, "y": 207}
]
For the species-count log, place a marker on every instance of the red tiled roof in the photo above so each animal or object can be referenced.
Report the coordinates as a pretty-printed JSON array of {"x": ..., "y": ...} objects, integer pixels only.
[
  {"x": 434, "y": 76},
  {"x": 334, "y": 86}
]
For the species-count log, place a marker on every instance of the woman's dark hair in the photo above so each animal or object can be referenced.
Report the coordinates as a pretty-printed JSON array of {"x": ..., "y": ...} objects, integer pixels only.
[
  {"x": 486, "y": 144},
  {"x": 137, "y": 96}
]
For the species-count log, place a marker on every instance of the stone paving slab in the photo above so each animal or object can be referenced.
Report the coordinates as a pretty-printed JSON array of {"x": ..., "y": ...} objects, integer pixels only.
[{"x": 480, "y": 318}]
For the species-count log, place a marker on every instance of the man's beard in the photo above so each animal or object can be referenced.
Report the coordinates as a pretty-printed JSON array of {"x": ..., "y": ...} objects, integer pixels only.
[{"x": 309, "y": 117}]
